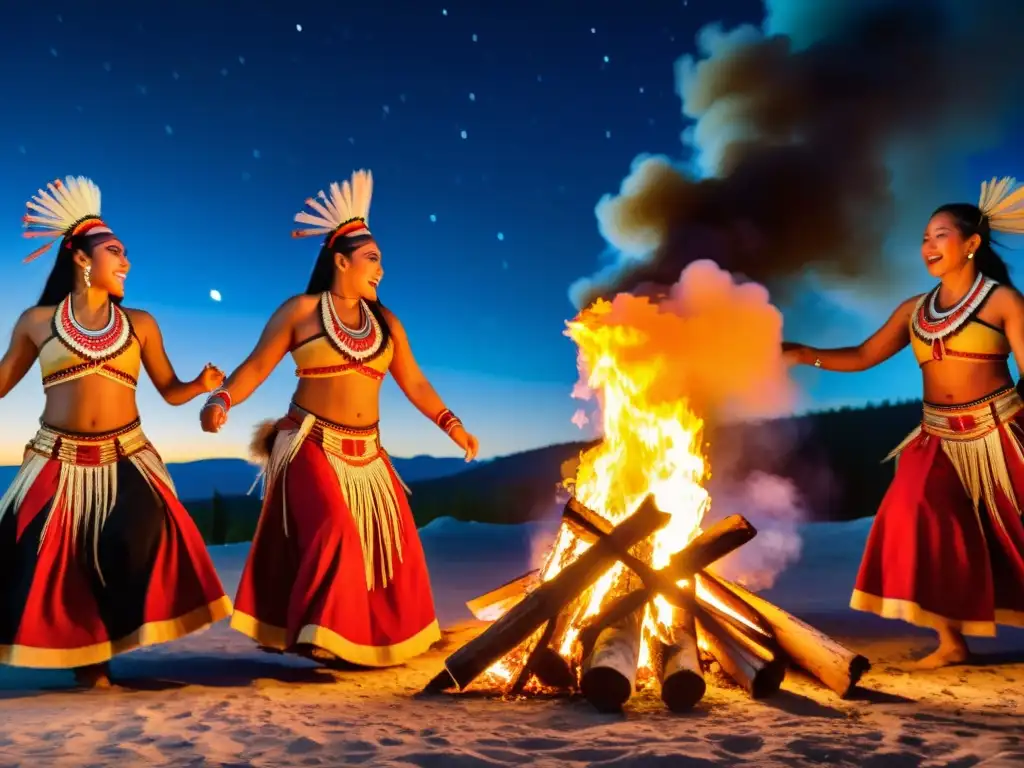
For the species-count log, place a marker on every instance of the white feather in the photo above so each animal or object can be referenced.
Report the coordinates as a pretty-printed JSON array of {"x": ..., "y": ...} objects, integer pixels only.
[
  {"x": 345, "y": 201},
  {"x": 1002, "y": 201},
  {"x": 62, "y": 204}
]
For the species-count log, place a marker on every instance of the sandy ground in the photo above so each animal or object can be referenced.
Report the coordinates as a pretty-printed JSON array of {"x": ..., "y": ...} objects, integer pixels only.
[{"x": 212, "y": 700}]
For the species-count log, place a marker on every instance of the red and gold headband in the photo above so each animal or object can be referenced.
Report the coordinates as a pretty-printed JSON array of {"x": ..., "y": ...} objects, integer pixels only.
[
  {"x": 342, "y": 213},
  {"x": 64, "y": 209}
]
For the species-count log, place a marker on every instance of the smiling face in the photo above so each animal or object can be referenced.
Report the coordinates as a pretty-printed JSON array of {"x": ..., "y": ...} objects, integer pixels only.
[
  {"x": 109, "y": 266},
  {"x": 361, "y": 271},
  {"x": 944, "y": 248}
]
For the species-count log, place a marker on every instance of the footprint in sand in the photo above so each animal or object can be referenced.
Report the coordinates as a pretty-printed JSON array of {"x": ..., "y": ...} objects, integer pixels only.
[{"x": 741, "y": 745}]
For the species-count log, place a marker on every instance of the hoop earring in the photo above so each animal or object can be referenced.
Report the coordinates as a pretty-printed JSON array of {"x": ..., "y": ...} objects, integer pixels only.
[{"x": 86, "y": 274}]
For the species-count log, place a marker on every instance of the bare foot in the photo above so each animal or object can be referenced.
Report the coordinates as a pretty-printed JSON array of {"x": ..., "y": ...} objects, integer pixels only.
[
  {"x": 93, "y": 676},
  {"x": 944, "y": 656}
]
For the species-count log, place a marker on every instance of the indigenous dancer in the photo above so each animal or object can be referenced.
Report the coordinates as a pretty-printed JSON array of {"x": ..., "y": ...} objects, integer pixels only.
[
  {"x": 946, "y": 550},
  {"x": 336, "y": 570},
  {"x": 97, "y": 555}
]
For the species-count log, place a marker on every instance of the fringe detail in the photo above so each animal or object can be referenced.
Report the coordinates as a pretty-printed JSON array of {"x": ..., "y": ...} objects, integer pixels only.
[
  {"x": 895, "y": 452},
  {"x": 370, "y": 497},
  {"x": 86, "y": 493},
  {"x": 981, "y": 466},
  {"x": 367, "y": 490},
  {"x": 152, "y": 467},
  {"x": 286, "y": 446}
]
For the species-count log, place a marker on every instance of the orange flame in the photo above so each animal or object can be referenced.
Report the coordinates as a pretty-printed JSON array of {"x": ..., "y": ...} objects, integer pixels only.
[{"x": 652, "y": 445}]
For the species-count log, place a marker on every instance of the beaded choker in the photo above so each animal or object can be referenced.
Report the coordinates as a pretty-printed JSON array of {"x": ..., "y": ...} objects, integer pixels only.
[
  {"x": 104, "y": 344},
  {"x": 360, "y": 343},
  {"x": 932, "y": 325}
]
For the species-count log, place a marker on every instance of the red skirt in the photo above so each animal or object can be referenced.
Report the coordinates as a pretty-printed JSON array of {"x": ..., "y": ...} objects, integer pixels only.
[
  {"x": 97, "y": 554},
  {"x": 947, "y": 543},
  {"x": 336, "y": 563}
]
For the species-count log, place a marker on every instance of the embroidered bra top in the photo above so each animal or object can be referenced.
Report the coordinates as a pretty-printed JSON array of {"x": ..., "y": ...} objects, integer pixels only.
[
  {"x": 73, "y": 352},
  {"x": 957, "y": 332},
  {"x": 339, "y": 350}
]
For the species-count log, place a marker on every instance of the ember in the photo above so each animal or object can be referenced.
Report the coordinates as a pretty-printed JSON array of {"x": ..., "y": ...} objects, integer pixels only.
[{"x": 626, "y": 597}]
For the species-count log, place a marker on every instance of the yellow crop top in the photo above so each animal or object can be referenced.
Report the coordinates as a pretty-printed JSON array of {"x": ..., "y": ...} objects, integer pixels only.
[
  {"x": 339, "y": 350},
  {"x": 957, "y": 333},
  {"x": 73, "y": 352}
]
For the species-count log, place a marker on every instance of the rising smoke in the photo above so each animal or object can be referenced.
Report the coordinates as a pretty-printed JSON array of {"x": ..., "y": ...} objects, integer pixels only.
[
  {"x": 811, "y": 141},
  {"x": 799, "y": 133}
]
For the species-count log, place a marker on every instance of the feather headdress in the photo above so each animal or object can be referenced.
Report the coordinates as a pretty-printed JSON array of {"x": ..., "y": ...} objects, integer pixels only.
[
  {"x": 69, "y": 207},
  {"x": 342, "y": 213},
  {"x": 1002, "y": 203}
]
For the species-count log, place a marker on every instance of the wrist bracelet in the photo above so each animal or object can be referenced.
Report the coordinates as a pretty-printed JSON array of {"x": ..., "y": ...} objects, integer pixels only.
[
  {"x": 447, "y": 421},
  {"x": 221, "y": 398}
]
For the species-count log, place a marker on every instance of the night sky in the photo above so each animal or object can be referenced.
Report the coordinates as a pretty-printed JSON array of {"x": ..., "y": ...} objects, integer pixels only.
[{"x": 492, "y": 130}]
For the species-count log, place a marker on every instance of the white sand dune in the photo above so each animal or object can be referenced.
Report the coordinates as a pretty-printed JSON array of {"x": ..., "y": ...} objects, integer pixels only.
[{"x": 212, "y": 700}]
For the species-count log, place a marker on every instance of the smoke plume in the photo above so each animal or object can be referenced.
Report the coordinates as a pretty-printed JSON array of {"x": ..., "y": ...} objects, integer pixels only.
[
  {"x": 799, "y": 133},
  {"x": 709, "y": 340},
  {"x": 773, "y": 505}
]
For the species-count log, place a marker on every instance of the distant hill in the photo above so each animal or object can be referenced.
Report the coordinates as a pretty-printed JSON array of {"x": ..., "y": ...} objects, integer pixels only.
[{"x": 233, "y": 477}]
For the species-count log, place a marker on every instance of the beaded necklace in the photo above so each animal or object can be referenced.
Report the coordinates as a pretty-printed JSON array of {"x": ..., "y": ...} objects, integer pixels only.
[
  {"x": 104, "y": 344},
  {"x": 360, "y": 343},
  {"x": 932, "y": 325}
]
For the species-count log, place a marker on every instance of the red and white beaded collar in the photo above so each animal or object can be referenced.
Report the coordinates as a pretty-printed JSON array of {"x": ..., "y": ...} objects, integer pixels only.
[
  {"x": 104, "y": 344},
  {"x": 359, "y": 344},
  {"x": 933, "y": 325}
]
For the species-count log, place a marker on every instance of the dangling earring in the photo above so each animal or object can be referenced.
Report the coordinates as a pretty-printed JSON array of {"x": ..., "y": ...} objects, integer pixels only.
[
  {"x": 970, "y": 255},
  {"x": 86, "y": 273}
]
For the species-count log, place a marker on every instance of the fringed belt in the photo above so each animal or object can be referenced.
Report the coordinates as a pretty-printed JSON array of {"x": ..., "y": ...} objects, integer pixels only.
[
  {"x": 971, "y": 420},
  {"x": 363, "y": 471},
  {"x": 92, "y": 450},
  {"x": 86, "y": 486},
  {"x": 971, "y": 436},
  {"x": 356, "y": 445}
]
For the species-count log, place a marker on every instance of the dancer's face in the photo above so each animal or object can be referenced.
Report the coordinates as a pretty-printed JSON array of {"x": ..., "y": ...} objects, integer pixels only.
[
  {"x": 110, "y": 266},
  {"x": 944, "y": 249},
  {"x": 361, "y": 272}
]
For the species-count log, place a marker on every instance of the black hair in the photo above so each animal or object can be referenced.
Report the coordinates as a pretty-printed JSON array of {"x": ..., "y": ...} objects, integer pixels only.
[
  {"x": 322, "y": 277},
  {"x": 61, "y": 280},
  {"x": 969, "y": 221}
]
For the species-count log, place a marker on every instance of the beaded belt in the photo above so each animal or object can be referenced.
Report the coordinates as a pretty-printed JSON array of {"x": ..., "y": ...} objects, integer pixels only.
[
  {"x": 356, "y": 445},
  {"x": 971, "y": 420},
  {"x": 88, "y": 450}
]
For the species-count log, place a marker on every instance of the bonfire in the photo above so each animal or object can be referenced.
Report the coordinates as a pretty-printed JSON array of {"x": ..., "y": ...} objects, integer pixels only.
[{"x": 627, "y": 596}]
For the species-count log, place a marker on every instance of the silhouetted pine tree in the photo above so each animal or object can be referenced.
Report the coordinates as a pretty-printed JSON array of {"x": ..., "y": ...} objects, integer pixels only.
[{"x": 219, "y": 520}]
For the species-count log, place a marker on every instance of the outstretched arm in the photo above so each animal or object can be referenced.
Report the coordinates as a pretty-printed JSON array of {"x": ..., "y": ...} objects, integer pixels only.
[
  {"x": 273, "y": 345},
  {"x": 883, "y": 344},
  {"x": 154, "y": 357},
  {"x": 21, "y": 353},
  {"x": 418, "y": 389}
]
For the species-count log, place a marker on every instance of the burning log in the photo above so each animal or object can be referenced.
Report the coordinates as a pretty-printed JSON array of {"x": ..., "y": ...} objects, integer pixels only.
[
  {"x": 715, "y": 542},
  {"x": 609, "y": 669},
  {"x": 498, "y": 601},
  {"x": 546, "y": 601},
  {"x": 833, "y": 664},
  {"x": 747, "y": 661},
  {"x": 713, "y": 594},
  {"x": 527, "y": 669},
  {"x": 677, "y": 663},
  {"x": 585, "y": 522}
]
